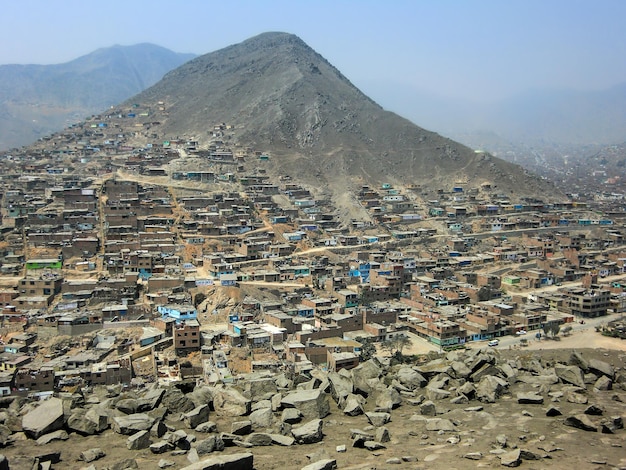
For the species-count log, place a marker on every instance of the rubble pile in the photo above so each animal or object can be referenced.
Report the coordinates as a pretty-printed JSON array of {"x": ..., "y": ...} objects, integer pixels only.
[{"x": 446, "y": 399}]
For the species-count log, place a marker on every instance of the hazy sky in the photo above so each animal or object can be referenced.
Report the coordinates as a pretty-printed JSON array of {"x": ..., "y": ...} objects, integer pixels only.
[{"x": 479, "y": 50}]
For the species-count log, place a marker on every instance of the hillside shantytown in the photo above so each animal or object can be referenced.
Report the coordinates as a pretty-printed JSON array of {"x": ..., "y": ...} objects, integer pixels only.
[
  {"x": 140, "y": 269},
  {"x": 171, "y": 262}
]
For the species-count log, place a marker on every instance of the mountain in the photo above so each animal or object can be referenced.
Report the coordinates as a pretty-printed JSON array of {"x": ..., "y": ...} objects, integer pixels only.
[
  {"x": 36, "y": 100},
  {"x": 284, "y": 98}
]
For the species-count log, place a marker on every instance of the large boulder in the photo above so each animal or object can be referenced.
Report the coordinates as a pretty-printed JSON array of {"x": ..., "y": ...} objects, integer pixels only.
[
  {"x": 139, "y": 440},
  {"x": 490, "y": 388},
  {"x": 340, "y": 386},
  {"x": 210, "y": 444},
  {"x": 308, "y": 433},
  {"x": 410, "y": 378},
  {"x": 570, "y": 374},
  {"x": 176, "y": 401},
  {"x": 229, "y": 401},
  {"x": 353, "y": 405},
  {"x": 150, "y": 400},
  {"x": 261, "y": 418},
  {"x": 131, "y": 424},
  {"x": 378, "y": 418},
  {"x": 311, "y": 403},
  {"x": 388, "y": 399},
  {"x": 87, "y": 422},
  {"x": 260, "y": 389},
  {"x": 580, "y": 422},
  {"x": 242, "y": 461},
  {"x": 529, "y": 398},
  {"x": 599, "y": 367},
  {"x": 363, "y": 373},
  {"x": 196, "y": 416},
  {"x": 47, "y": 417}
]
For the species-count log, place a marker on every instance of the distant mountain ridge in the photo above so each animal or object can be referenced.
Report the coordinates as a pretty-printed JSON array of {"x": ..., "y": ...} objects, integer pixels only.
[
  {"x": 285, "y": 98},
  {"x": 36, "y": 100}
]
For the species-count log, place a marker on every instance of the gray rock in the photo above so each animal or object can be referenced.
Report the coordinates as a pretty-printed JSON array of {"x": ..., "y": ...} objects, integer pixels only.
[
  {"x": 410, "y": 378},
  {"x": 201, "y": 395},
  {"x": 460, "y": 369},
  {"x": 47, "y": 417},
  {"x": 486, "y": 370},
  {"x": 241, "y": 428},
  {"x": 460, "y": 400},
  {"x": 529, "y": 398},
  {"x": 126, "y": 464},
  {"x": 166, "y": 463},
  {"x": 291, "y": 416},
  {"x": 281, "y": 440},
  {"x": 436, "y": 393},
  {"x": 198, "y": 415},
  {"x": 393, "y": 461},
  {"x": 158, "y": 429},
  {"x": 160, "y": 447},
  {"x": 440, "y": 424},
  {"x": 373, "y": 445},
  {"x": 577, "y": 359},
  {"x": 261, "y": 389},
  {"x": 207, "y": 427},
  {"x": 261, "y": 418},
  {"x": 378, "y": 418},
  {"x": 570, "y": 374},
  {"x": 553, "y": 411},
  {"x": 388, "y": 399},
  {"x": 88, "y": 422},
  {"x": 473, "y": 456},
  {"x": 130, "y": 424},
  {"x": 92, "y": 454},
  {"x": 326, "y": 464},
  {"x": 259, "y": 405},
  {"x": 311, "y": 403},
  {"x": 490, "y": 388},
  {"x": 176, "y": 401},
  {"x": 578, "y": 398},
  {"x": 210, "y": 444},
  {"x": 428, "y": 408},
  {"x": 580, "y": 422},
  {"x": 353, "y": 405},
  {"x": 594, "y": 410},
  {"x": 4, "y": 463},
  {"x": 511, "y": 459},
  {"x": 242, "y": 461},
  {"x": 599, "y": 367},
  {"x": 308, "y": 433},
  {"x": 139, "y": 440},
  {"x": 127, "y": 406},
  {"x": 259, "y": 439},
  {"x": 382, "y": 434},
  {"x": 229, "y": 401},
  {"x": 603, "y": 383},
  {"x": 59, "y": 435},
  {"x": 468, "y": 389},
  {"x": 361, "y": 375}
]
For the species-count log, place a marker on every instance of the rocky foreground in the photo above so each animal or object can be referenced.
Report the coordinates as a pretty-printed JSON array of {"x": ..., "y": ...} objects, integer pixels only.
[{"x": 475, "y": 408}]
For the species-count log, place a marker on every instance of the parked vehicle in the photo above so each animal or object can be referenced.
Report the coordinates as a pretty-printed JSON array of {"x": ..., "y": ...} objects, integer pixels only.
[{"x": 493, "y": 342}]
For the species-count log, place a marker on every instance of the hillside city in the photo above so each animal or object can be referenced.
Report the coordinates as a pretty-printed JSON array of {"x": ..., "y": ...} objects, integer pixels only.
[
  {"x": 169, "y": 261},
  {"x": 251, "y": 265}
]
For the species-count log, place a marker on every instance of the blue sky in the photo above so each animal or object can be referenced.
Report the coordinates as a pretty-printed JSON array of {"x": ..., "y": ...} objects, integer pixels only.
[{"x": 476, "y": 50}]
